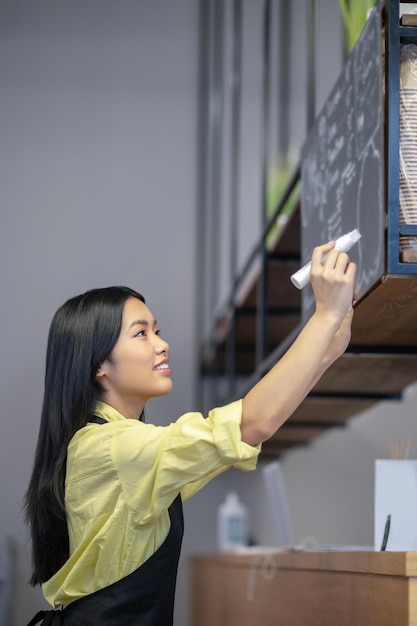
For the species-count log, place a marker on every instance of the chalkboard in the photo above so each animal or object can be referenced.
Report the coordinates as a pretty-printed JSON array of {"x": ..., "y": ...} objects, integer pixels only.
[{"x": 342, "y": 164}]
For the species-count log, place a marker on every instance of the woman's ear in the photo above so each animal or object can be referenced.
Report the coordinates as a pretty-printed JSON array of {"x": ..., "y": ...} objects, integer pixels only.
[
  {"x": 103, "y": 371},
  {"x": 100, "y": 372},
  {"x": 100, "y": 379}
]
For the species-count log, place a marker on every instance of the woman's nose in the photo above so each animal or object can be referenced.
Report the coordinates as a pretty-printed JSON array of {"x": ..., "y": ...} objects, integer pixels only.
[{"x": 162, "y": 346}]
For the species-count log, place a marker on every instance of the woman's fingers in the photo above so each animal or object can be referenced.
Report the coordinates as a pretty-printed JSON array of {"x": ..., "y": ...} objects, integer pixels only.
[
  {"x": 325, "y": 257},
  {"x": 319, "y": 253},
  {"x": 333, "y": 278}
]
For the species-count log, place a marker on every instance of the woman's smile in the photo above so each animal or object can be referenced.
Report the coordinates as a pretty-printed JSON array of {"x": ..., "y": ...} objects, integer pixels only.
[{"x": 163, "y": 367}]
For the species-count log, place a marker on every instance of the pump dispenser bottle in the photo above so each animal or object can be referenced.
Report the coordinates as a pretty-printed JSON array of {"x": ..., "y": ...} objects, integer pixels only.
[{"x": 231, "y": 523}]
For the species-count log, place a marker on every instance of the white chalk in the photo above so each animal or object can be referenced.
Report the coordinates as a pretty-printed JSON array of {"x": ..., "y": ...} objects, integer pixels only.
[{"x": 301, "y": 278}]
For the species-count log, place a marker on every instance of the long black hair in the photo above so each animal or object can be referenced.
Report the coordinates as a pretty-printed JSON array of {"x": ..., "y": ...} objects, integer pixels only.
[{"x": 82, "y": 335}]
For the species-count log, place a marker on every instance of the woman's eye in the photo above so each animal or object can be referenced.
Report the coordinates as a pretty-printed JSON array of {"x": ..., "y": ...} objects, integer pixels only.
[
  {"x": 141, "y": 333},
  {"x": 158, "y": 332}
]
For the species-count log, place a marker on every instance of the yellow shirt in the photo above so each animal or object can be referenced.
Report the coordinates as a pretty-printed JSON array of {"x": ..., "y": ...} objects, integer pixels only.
[{"x": 122, "y": 477}]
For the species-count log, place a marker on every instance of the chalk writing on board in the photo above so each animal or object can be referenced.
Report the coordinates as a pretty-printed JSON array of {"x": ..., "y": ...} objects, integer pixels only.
[{"x": 342, "y": 164}]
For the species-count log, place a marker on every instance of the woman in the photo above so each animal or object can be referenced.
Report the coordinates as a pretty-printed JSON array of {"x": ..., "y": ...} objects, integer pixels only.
[{"x": 104, "y": 500}]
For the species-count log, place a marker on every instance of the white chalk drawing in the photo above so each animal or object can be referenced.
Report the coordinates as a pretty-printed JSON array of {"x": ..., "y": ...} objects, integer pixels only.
[{"x": 342, "y": 164}]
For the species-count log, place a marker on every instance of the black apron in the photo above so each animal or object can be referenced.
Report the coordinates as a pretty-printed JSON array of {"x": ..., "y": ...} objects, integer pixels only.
[{"x": 143, "y": 598}]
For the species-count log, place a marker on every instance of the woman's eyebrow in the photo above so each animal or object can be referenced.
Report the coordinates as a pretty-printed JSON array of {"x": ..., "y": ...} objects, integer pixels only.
[{"x": 142, "y": 323}]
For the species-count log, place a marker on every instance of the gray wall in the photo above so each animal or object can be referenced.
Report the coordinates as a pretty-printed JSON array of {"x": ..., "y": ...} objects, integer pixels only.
[
  {"x": 331, "y": 483},
  {"x": 98, "y": 115}
]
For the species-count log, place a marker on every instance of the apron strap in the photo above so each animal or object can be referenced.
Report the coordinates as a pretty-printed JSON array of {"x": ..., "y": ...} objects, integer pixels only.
[
  {"x": 97, "y": 420},
  {"x": 47, "y": 618}
]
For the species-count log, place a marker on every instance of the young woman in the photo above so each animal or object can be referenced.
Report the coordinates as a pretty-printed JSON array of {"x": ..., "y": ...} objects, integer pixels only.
[{"x": 104, "y": 504}]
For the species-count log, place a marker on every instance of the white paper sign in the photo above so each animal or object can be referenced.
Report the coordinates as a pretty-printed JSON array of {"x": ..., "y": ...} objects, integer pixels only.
[{"x": 395, "y": 503}]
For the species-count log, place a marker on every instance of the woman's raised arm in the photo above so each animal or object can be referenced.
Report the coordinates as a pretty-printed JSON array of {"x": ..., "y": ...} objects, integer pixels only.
[{"x": 322, "y": 340}]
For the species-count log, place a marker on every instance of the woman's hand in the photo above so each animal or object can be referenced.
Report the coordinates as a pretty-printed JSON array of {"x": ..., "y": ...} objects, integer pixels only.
[{"x": 333, "y": 278}]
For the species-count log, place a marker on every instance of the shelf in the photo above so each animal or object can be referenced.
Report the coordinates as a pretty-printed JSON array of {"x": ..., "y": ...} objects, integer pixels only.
[
  {"x": 283, "y": 305},
  {"x": 380, "y": 362},
  {"x": 265, "y": 311}
]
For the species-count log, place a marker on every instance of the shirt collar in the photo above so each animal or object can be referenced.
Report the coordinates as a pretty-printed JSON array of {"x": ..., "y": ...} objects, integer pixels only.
[{"x": 107, "y": 412}]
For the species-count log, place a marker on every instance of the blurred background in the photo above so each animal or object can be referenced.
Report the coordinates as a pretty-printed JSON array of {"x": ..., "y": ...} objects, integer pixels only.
[{"x": 101, "y": 152}]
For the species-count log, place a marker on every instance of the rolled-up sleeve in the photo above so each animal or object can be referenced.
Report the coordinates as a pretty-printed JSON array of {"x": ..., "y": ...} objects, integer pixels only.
[
  {"x": 155, "y": 463},
  {"x": 227, "y": 437},
  {"x": 224, "y": 423}
]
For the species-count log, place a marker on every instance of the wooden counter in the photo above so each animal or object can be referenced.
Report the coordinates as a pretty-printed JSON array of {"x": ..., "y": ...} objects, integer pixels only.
[{"x": 305, "y": 589}]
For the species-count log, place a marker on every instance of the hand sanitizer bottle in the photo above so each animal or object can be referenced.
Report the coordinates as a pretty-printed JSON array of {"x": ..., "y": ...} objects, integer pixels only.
[{"x": 232, "y": 523}]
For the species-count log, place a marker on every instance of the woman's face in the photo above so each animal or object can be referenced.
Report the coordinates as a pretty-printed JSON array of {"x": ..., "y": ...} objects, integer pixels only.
[{"x": 138, "y": 368}]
